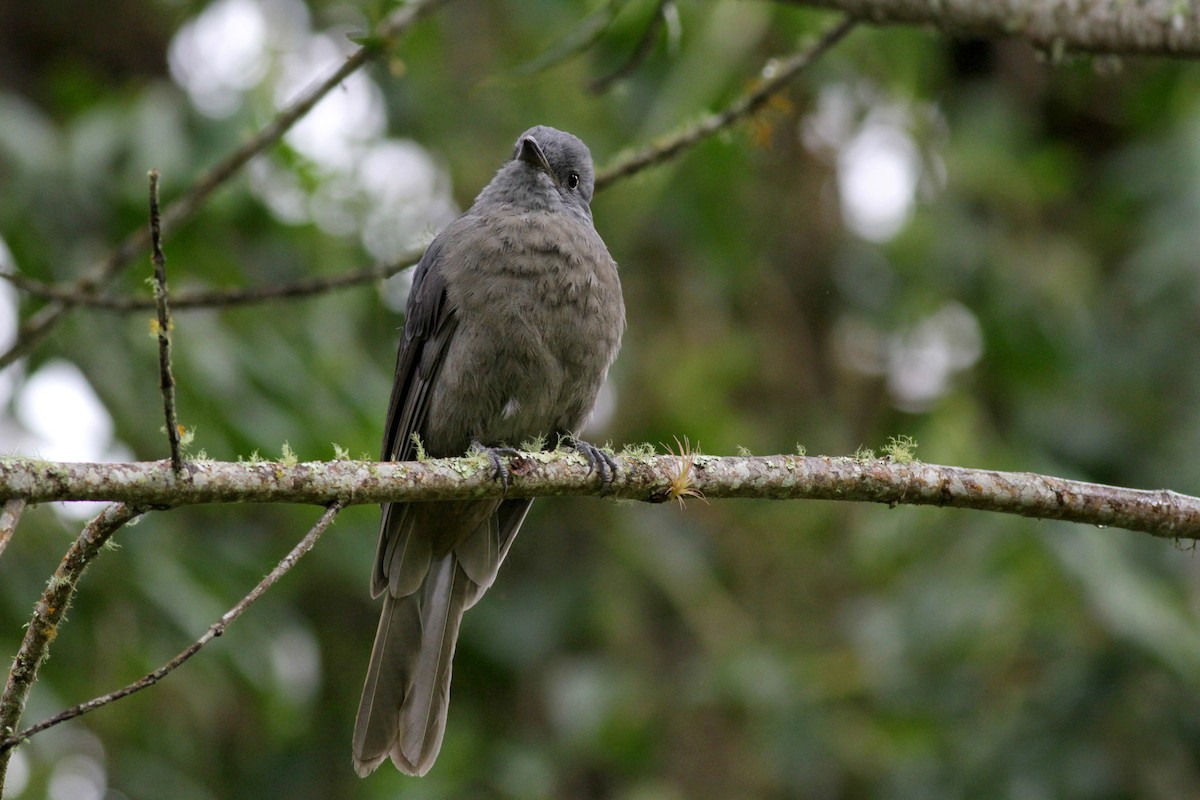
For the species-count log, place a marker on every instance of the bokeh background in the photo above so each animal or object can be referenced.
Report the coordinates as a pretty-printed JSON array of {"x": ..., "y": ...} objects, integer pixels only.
[{"x": 987, "y": 248}]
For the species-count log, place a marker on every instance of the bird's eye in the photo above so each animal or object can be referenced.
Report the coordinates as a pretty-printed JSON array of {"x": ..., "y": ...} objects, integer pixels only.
[{"x": 573, "y": 180}]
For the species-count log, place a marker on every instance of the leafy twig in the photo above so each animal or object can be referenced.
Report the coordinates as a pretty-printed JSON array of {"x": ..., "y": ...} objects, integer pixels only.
[
  {"x": 214, "y": 630},
  {"x": 586, "y": 34},
  {"x": 775, "y": 75},
  {"x": 34, "y": 329},
  {"x": 83, "y": 292},
  {"x": 644, "y": 46}
]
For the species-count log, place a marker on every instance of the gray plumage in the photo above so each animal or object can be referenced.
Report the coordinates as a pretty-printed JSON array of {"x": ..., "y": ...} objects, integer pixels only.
[{"x": 514, "y": 317}]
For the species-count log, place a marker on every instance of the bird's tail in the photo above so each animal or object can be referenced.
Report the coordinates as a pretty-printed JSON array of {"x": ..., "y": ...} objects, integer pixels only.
[{"x": 407, "y": 692}]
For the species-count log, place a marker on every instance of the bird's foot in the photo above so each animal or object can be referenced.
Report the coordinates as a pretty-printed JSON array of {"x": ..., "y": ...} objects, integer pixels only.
[
  {"x": 495, "y": 457},
  {"x": 599, "y": 460}
]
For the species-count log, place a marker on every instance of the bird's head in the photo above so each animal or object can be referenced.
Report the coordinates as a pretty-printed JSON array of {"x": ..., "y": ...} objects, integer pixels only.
[{"x": 561, "y": 158}]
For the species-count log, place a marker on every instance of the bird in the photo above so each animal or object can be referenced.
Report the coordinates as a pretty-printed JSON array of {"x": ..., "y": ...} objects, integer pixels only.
[{"x": 513, "y": 320}]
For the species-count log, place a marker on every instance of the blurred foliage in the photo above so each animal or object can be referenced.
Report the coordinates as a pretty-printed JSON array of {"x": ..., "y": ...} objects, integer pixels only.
[{"x": 1035, "y": 307}]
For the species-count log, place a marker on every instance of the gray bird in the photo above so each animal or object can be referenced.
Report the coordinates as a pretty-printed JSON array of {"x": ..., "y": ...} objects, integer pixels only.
[{"x": 514, "y": 317}]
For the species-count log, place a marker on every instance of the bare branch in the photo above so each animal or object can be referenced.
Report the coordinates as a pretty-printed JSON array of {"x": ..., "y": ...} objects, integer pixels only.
[
  {"x": 1118, "y": 27},
  {"x": 214, "y": 630},
  {"x": 649, "y": 478},
  {"x": 775, "y": 75},
  {"x": 49, "y": 613},
  {"x": 34, "y": 329},
  {"x": 185, "y": 300},
  {"x": 166, "y": 382},
  {"x": 10, "y": 515}
]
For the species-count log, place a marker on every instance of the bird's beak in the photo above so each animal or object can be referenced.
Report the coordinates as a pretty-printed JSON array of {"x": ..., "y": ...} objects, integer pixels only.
[{"x": 531, "y": 153}]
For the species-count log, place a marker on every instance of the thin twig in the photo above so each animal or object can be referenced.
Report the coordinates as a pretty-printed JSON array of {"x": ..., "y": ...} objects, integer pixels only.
[
  {"x": 10, "y": 515},
  {"x": 166, "y": 382},
  {"x": 38, "y": 326},
  {"x": 185, "y": 300},
  {"x": 582, "y": 38},
  {"x": 49, "y": 613},
  {"x": 776, "y": 74},
  {"x": 640, "y": 52},
  {"x": 214, "y": 630},
  {"x": 80, "y": 293}
]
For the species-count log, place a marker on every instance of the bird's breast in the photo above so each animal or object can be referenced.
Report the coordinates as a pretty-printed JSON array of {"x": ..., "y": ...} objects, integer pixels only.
[{"x": 539, "y": 320}]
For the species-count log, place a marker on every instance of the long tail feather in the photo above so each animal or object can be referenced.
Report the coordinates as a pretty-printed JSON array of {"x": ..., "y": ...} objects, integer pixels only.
[{"x": 407, "y": 692}]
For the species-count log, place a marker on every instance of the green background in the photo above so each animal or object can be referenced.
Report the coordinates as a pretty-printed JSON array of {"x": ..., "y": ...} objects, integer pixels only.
[{"x": 1037, "y": 309}]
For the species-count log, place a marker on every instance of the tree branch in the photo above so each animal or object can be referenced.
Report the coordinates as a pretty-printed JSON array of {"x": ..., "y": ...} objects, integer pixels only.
[
  {"x": 650, "y": 478},
  {"x": 216, "y": 629},
  {"x": 640, "y": 52},
  {"x": 82, "y": 292},
  {"x": 580, "y": 40},
  {"x": 166, "y": 380},
  {"x": 776, "y": 74},
  {"x": 49, "y": 612},
  {"x": 10, "y": 515},
  {"x": 213, "y": 298},
  {"x": 1118, "y": 27},
  {"x": 38, "y": 326}
]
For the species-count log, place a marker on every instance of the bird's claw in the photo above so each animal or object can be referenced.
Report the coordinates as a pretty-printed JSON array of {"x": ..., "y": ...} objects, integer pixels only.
[
  {"x": 599, "y": 460},
  {"x": 494, "y": 455}
]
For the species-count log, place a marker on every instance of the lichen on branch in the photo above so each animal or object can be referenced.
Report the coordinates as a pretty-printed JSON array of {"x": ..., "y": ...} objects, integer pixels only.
[{"x": 640, "y": 476}]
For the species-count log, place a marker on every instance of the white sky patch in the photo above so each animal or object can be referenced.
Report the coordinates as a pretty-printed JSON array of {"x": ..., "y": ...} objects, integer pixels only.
[
  {"x": 66, "y": 421},
  {"x": 390, "y": 192},
  {"x": 296, "y": 664},
  {"x": 395, "y": 290},
  {"x": 918, "y": 362},
  {"x": 923, "y": 360},
  {"x": 59, "y": 407},
  {"x": 220, "y": 54},
  {"x": 333, "y": 134},
  {"x": 833, "y": 122},
  {"x": 335, "y": 205},
  {"x": 877, "y": 180},
  {"x": 227, "y": 50},
  {"x": 234, "y": 46},
  {"x": 18, "y": 773},
  {"x": 398, "y": 171},
  {"x": 280, "y": 190},
  {"x": 8, "y": 320},
  {"x": 880, "y": 166},
  {"x": 77, "y": 777},
  {"x": 604, "y": 410},
  {"x": 62, "y": 419},
  {"x": 408, "y": 198}
]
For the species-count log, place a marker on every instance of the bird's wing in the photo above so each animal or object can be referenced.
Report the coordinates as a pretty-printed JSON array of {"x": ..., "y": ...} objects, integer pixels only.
[
  {"x": 428, "y": 328},
  {"x": 428, "y": 325}
]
